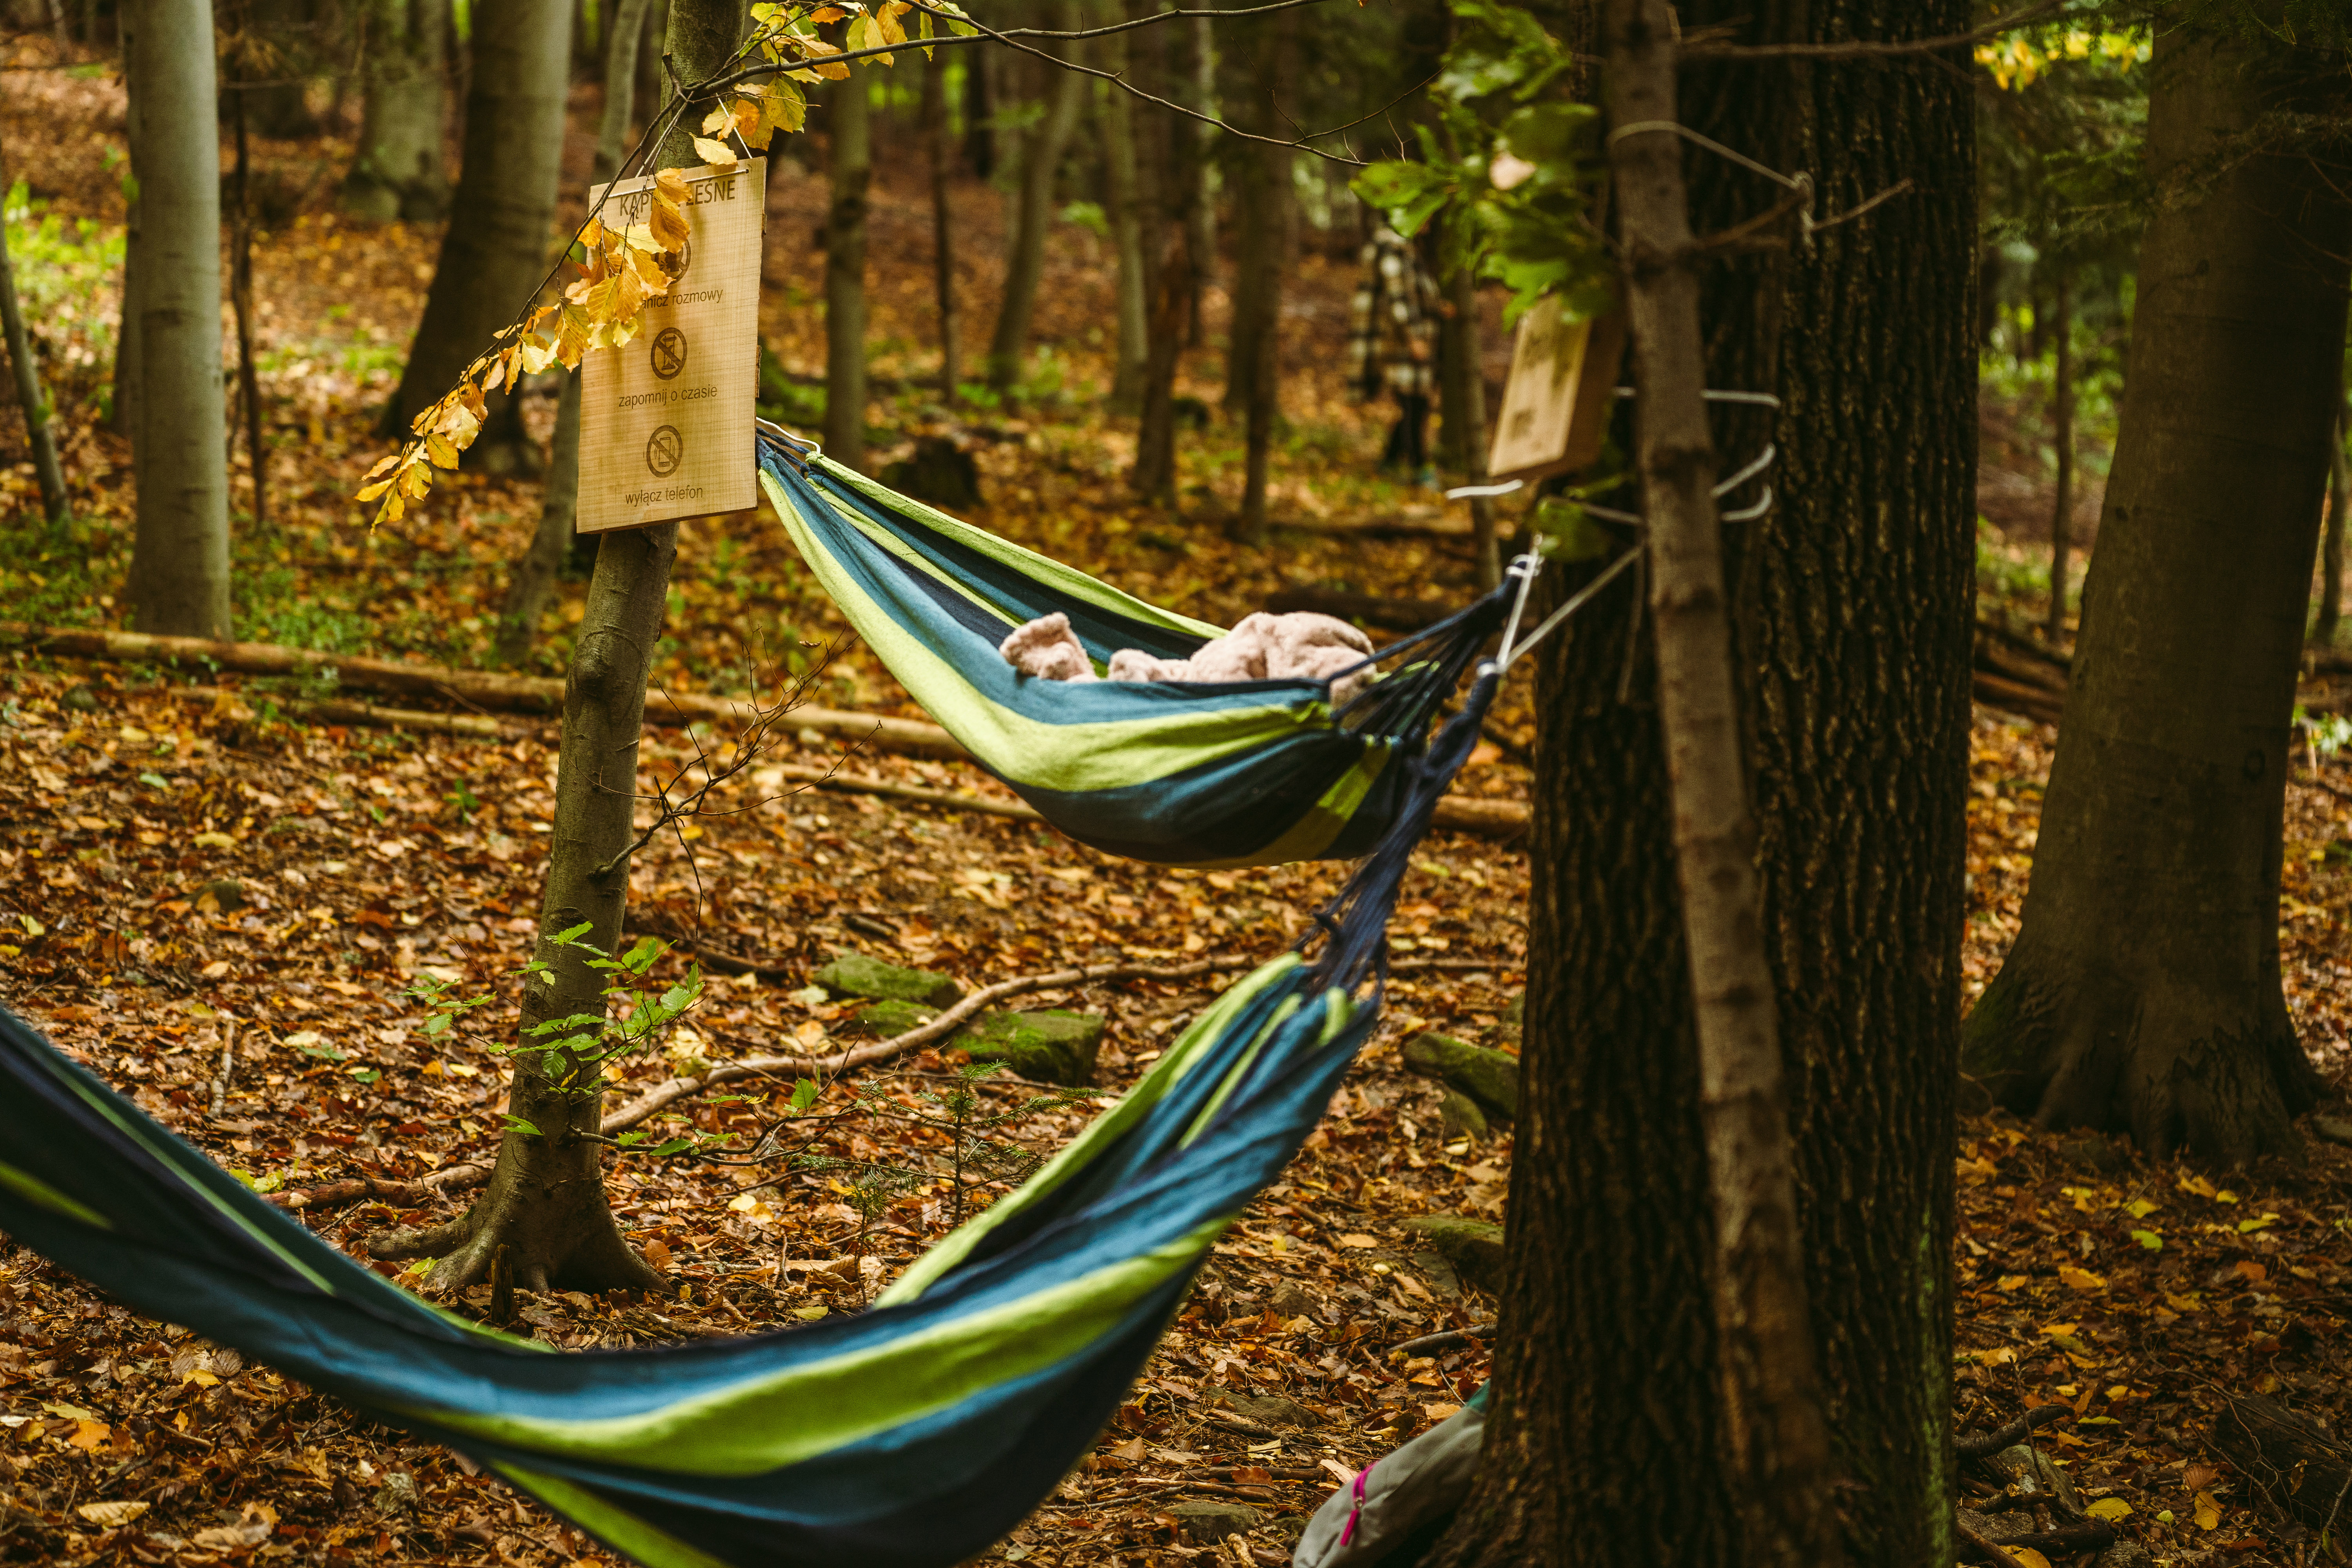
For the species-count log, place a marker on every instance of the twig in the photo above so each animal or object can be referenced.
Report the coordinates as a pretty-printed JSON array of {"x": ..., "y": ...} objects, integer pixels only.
[
  {"x": 1447, "y": 1340},
  {"x": 946, "y": 1023},
  {"x": 1861, "y": 49},
  {"x": 228, "y": 1066},
  {"x": 1988, "y": 1547},
  {"x": 1982, "y": 1445}
]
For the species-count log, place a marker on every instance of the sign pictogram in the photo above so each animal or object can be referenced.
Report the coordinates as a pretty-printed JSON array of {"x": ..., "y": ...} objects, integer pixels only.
[
  {"x": 668, "y": 353},
  {"x": 666, "y": 418},
  {"x": 664, "y": 450}
]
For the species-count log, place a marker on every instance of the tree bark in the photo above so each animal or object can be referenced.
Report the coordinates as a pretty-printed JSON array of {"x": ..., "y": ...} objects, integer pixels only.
[
  {"x": 545, "y": 1204},
  {"x": 1609, "y": 1442},
  {"x": 1461, "y": 389},
  {"x": 179, "y": 564},
  {"x": 1123, "y": 178},
  {"x": 1254, "y": 358},
  {"x": 495, "y": 255},
  {"x": 240, "y": 297},
  {"x": 1779, "y": 1451},
  {"x": 396, "y": 169},
  {"x": 1198, "y": 93},
  {"x": 39, "y": 433},
  {"x": 1041, "y": 162},
  {"x": 2167, "y": 798},
  {"x": 851, "y": 161},
  {"x": 941, "y": 154},
  {"x": 2062, "y": 420},
  {"x": 1154, "y": 475}
]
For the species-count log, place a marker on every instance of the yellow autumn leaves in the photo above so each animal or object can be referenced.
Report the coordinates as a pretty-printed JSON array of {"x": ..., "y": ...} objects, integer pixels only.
[{"x": 620, "y": 268}]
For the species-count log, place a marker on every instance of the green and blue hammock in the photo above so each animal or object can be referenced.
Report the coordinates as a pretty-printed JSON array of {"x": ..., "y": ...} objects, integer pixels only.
[{"x": 913, "y": 1435}]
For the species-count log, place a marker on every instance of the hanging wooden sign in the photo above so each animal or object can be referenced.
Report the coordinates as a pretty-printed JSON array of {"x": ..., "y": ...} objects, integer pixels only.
[
  {"x": 665, "y": 428},
  {"x": 1556, "y": 405}
]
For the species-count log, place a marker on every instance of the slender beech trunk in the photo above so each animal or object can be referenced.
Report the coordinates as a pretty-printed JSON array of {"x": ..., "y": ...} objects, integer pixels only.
[
  {"x": 396, "y": 169},
  {"x": 1041, "y": 160},
  {"x": 121, "y": 418},
  {"x": 620, "y": 87},
  {"x": 545, "y": 1205},
  {"x": 2062, "y": 420},
  {"x": 533, "y": 582},
  {"x": 2331, "y": 542},
  {"x": 240, "y": 296},
  {"x": 179, "y": 564},
  {"x": 1464, "y": 392},
  {"x": 1257, "y": 339},
  {"x": 1154, "y": 475},
  {"x": 2144, "y": 991},
  {"x": 1609, "y": 1442},
  {"x": 493, "y": 260},
  {"x": 1781, "y": 1469},
  {"x": 980, "y": 111},
  {"x": 40, "y": 434},
  {"x": 1123, "y": 176},
  {"x": 943, "y": 226},
  {"x": 1198, "y": 94},
  {"x": 852, "y": 168}
]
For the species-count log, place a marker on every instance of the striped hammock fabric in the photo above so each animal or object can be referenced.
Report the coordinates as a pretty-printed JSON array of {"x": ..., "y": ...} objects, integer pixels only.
[
  {"x": 914, "y": 1434},
  {"x": 1249, "y": 773}
]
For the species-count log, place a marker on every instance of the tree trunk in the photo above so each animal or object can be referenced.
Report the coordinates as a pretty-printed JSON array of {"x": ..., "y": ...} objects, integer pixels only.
[
  {"x": 2167, "y": 795},
  {"x": 2331, "y": 544},
  {"x": 941, "y": 154},
  {"x": 1154, "y": 475},
  {"x": 1041, "y": 162},
  {"x": 980, "y": 111},
  {"x": 1124, "y": 173},
  {"x": 1198, "y": 94},
  {"x": 620, "y": 88},
  {"x": 39, "y": 433},
  {"x": 121, "y": 418},
  {"x": 851, "y": 161},
  {"x": 179, "y": 563},
  {"x": 534, "y": 575},
  {"x": 493, "y": 259},
  {"x": 545, "y": 1204},
  {"x": 1254, "y": 361},
  {"x": 1462, "y": 392},
  {"x": 1609, "y": 1444},
  {"x": 240, "y": 297},
  {"x": 2062, "y": 420},
  {"x": 396, "y": 169},
  {"x": 1778, "y": 1444}
]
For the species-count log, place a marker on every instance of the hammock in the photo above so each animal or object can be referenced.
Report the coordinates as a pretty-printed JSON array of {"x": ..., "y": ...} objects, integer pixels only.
[
  {"x": 1245, "y": 774},
  {"x": 913, "y": 1435}
]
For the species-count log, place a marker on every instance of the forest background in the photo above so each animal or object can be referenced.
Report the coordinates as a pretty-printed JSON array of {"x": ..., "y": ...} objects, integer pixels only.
[{"x": 222, "y": 882}]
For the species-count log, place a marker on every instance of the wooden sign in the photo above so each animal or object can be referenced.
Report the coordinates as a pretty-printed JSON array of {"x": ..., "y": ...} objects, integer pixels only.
[
  {"x": 1556, "y": 405},
  {"x": 665, "y": 419}
]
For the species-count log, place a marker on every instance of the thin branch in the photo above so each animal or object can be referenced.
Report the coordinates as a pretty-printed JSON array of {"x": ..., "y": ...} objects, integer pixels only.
[{"x": 1861, "y": 50}]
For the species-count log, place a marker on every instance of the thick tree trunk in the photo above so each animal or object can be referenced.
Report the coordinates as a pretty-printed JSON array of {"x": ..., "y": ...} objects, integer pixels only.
[
  {"x": 2144, "y": 991},
  {"x": 1154, "y": 475},
  {"x": 1610, "y": 1443},
  {"x": 179, "y": 564},
  {"x": 941, "y": 155},
  {"x": 851, "y": 161},
  {"x": 1041, "y": 162},
  {"x": 39, "y": 433},
  {"x": 620, "y": 87},
  {"x": 2062, "y": 420},
  {"x": 396, "y": 170},
  {"x": 545, "y": 1203},
  {"x": 1124, "y": 179},
  {"x": 1253, "y": 361},
  {"x": 493, "y": 260}
]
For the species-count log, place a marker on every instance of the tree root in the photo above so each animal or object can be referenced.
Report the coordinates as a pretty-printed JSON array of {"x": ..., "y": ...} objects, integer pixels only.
[{"x": 1983, "y": 1444}]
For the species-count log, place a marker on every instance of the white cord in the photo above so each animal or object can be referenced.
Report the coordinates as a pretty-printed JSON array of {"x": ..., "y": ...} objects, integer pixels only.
[{"x": 1576, "y": 602}]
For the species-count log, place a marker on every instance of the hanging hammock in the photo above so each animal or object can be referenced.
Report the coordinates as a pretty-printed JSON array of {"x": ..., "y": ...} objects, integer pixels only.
[
  {"x": 1247, "y": 774},
  {"x": 914, "y": 1434}
]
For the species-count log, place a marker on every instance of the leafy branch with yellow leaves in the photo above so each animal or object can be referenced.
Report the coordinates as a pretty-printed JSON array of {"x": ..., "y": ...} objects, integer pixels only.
[{"x": 621, "y": 269}]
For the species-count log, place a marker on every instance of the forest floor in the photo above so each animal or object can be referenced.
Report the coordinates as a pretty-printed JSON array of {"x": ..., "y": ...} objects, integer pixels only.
[{"x": 178, "y": 860}]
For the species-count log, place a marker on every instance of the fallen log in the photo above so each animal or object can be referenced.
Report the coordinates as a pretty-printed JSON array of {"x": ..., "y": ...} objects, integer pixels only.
[
  {"x": 2298, "y": 1466},
  {"x": 473, "y": 688}
]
